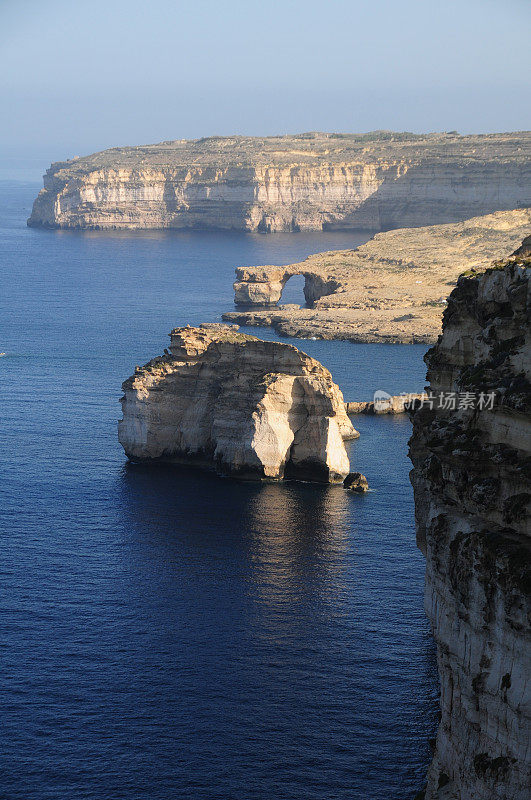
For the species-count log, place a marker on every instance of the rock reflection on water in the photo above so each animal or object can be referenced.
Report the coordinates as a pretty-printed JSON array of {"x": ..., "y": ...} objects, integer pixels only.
[
  {"x": 272, "y": 560},
  {"x": 286, "y": 622},
  {"x": 299, "y": 539},
  {"x": 290, "y": 538}
]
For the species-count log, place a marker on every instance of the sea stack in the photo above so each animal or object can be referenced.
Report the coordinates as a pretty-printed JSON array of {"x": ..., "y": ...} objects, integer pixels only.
[
  {"x": 471, "y": 477},
  {"x": 228, "y": 401}
]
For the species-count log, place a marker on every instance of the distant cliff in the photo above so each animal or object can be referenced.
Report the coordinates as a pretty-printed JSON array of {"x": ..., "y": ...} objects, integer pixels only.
[
  {"x": 227, "y": 401},
  {"x": 312, "y": 181},
  {"x": 472, "y": 483}
]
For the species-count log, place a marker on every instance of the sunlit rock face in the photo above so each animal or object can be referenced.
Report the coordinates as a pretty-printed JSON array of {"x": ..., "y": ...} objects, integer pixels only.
[
  {"x": 224, "y": 400},
  {"x": 313, "y": 181},
  {"x": 392, "y": 289},
  {"x": 471, "y": 479}
]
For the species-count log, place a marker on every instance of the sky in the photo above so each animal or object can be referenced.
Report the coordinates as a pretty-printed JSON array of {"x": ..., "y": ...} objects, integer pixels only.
[{"x": 77, "y": 77}]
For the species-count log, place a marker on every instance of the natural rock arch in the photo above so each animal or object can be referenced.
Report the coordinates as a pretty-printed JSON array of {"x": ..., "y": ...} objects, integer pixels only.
[{"x": 263, "y": 286}]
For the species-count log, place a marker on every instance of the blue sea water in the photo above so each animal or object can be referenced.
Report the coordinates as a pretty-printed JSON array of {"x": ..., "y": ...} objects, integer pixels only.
[{"x": 166, "y": 633}]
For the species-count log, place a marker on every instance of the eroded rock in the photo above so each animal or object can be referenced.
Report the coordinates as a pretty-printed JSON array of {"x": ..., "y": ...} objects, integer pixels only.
[
  {"x": 356, "y": 482},
  {"x": 392, "y": 289},
  {"x": 224, "y": 400}
]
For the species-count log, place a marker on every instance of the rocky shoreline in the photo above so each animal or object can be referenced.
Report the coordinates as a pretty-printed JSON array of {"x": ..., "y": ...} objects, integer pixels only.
[
  {"x": 385, "y": 404},
  {"x": 392, "y": 290}
]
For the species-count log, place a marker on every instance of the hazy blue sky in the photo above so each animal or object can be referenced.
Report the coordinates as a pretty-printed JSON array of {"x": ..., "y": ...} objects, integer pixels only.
[{"x": 80, "y": 76}]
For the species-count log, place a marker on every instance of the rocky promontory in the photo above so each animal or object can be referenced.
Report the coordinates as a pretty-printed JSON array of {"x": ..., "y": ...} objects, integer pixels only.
[
  {"x": 310, "y": 181},
  {"x": 227, "y": 401},
  {"x": 385, "y": 404},
  {"x": 471, "y": 454},
  {"x": 393, "y": 289}
]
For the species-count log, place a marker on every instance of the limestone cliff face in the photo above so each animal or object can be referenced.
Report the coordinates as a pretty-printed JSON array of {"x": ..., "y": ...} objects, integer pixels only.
[
  {"x": 224, "y": 400},
  {"x": 289, "y": 183},
  {"x": 471, "y": 479}
]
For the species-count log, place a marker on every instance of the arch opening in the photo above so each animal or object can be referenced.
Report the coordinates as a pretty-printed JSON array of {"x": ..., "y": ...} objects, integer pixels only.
[{"x": 293, "y": 291}]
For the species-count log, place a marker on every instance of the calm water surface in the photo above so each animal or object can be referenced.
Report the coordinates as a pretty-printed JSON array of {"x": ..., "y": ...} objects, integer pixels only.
[{"x": 166, "y": 633}]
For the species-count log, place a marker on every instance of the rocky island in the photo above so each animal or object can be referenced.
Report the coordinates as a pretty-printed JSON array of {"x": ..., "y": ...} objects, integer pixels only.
[
  {"x": 472, "y": 484},
  {"x": 227, "y": 401},
  {"x": 392, "y": 289},
  {"x": 311, "y": 181}
]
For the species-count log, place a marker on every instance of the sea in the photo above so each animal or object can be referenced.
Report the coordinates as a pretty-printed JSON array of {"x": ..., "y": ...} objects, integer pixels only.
[{"x": 167, "y": 634}]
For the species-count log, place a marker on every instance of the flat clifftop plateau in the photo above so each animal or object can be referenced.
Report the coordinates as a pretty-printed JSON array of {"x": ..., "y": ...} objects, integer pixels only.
[
  {"x": 227, "y": 401},
  {"x": 312, "y": 181},
  {"x": 471, "y": 454},
  {"x": 393, "y": 289}
]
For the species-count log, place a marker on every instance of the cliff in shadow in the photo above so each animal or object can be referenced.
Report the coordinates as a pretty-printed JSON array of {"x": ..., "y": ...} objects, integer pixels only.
[{"x": 471, "y": 454}]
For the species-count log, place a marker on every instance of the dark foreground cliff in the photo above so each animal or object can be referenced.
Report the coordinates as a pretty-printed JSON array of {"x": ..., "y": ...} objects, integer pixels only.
[
  {"x": 472, "y": 485},
  {"x": 311, "y": 181}
]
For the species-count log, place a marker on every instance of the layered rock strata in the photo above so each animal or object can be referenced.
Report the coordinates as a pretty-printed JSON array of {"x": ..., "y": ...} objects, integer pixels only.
[
  {"x": 227, "y": 401},
  {"x": 312, "y": 181},
  {"x": 472, "y": 482},
  {"x": 393, "y": 289}
]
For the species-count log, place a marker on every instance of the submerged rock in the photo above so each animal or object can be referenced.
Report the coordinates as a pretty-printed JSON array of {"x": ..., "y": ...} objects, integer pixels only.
[
  {"x": 471, "y": 478},
  {"x": 356, "y": 482},
  {"x": 224, "y": 400}
]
